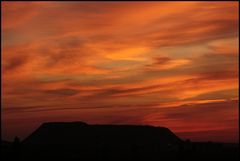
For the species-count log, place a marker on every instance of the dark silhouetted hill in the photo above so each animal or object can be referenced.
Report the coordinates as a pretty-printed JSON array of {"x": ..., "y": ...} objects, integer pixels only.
[
  {"x": 82, "y": 133},
  {"x": 80, "y": 141}
]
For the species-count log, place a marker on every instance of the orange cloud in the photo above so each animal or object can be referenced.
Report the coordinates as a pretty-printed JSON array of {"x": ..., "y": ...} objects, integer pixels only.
[
  {"x": 118, "y": 62},
  {"x": 199, "y": 118}
]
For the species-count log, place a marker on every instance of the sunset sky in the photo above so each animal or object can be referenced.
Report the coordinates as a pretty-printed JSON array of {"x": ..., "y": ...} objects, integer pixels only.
[{"x": 172, "y": 64}]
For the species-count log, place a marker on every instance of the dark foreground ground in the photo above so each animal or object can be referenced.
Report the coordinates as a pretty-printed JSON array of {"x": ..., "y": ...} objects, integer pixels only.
[
  {"x": 185, "y": 151},
  {"x": 79, "y": 141}
]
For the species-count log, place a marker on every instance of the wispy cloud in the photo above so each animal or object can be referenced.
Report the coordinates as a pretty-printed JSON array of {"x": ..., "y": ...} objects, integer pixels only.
[{"x": 117, "y": 62}]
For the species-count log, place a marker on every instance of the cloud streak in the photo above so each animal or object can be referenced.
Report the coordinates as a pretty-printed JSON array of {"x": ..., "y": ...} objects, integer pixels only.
[{"x": 118, "y": 62}]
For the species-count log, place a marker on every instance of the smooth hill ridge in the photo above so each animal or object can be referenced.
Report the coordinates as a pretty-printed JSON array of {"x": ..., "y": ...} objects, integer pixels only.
[{"x": 82, "y": 133}]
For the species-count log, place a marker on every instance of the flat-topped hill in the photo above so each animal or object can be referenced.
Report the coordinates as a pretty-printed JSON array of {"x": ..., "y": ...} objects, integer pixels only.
[{"x": 82, "y": 133}]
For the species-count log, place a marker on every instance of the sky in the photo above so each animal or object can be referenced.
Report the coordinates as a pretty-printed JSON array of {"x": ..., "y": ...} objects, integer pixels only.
[{"x": 171, "y": 64}]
